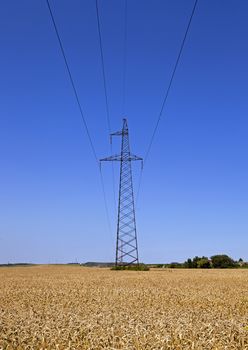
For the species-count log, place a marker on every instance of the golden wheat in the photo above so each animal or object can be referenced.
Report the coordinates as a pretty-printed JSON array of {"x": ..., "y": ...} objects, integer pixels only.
[{"x": 67, "y": 307}]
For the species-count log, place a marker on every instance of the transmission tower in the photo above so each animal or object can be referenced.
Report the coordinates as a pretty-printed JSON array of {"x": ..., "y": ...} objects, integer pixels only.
[{"x": 126, "y": 241}]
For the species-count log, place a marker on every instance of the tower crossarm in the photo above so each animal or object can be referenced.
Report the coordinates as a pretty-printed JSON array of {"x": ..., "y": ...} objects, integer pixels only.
[
  {"x": 134, "y": 157},
  {"x": 111, "y": 158},
  {"x": 123, "y": 132},
  {"x": 119, "y": 157}
]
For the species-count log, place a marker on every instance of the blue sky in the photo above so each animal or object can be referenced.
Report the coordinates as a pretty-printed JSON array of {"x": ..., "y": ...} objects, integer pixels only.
[{"x": 194, "y": 194}]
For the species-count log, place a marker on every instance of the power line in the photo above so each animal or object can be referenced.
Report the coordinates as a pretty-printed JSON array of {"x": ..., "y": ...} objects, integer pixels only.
[
  {"x": 72, "y": 82},
  {"x": 166, "y": 95},
  {"x": 124, "y": 59},
  {"x": 139, "y": 187},
  {"x": 105, "y": 92},
  {"x": 103, "y": 66},
  {"x": 106, "y": 205},
  {"x": 171, "y": 80},
  {"x": 80, "y": 110}
]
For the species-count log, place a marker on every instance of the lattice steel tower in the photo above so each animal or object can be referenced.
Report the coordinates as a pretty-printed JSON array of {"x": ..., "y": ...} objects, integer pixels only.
[{"x": 126, "y": 242}]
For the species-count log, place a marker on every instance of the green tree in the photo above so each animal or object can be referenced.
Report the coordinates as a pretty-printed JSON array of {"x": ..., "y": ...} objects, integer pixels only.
[
  {"x": 222, "y": 261},
  {"x": 203, "y": 263},
  {"x": 175, "y": 265},
  {"x": 188, "y": 264},
  {"x": 197, "y": 259}
]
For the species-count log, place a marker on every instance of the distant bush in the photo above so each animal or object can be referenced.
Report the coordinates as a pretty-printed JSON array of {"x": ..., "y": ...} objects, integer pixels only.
[
  {"x": 175, "y": 265},
  {"x": 136, "y": 267},
  {"x": 16, "y": 264},
  {"x": 159, "y": 266}
]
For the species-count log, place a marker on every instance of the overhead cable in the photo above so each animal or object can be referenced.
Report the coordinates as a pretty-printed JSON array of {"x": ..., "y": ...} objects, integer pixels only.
[
  {"x": 80, "y": 109},
  {"x": 124, "y": 61},
  {"x": 105, "y": 91},
  {"x": 166, "y": 95},
  {"x": 72, "y": 82},
  {"x": 171, "y": 80}
]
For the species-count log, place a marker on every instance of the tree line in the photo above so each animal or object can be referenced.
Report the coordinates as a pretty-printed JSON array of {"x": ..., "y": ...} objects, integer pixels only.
[{"x": 221, "y": 261}]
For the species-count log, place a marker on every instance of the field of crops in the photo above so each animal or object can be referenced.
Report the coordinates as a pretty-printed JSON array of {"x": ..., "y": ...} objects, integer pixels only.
[{"x": 71, "y": 307}]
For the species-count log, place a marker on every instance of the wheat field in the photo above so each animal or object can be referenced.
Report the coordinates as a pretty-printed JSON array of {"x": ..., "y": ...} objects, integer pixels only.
[{"x": 71, "y": 307}]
